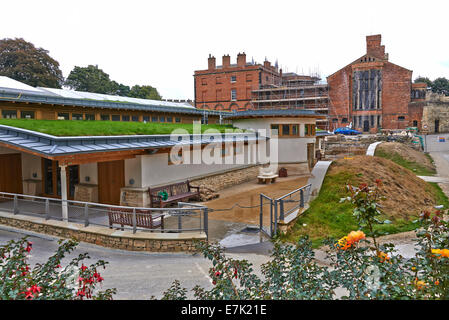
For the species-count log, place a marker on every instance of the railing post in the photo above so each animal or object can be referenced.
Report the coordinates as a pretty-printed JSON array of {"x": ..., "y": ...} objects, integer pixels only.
[
  {"x": 261, "y": 213},
  {"x": 86, "y": 215},
  {"x": 134, "y": 221},
  {"x": 206, "y": 222},
  {"x": 275, "y": 216},
  {"x": 47, "y": 209},
  {"x": 16, "y": 204},
  {"x": 281, "y": 210},
  {"x": 301, "y": 201},
  {"x": 271, "y": 217}
]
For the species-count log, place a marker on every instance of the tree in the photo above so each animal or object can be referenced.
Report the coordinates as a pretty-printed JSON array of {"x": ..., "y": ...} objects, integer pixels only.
[
  {"x": 144, "y": 92},
  {"x": 425, "y": 80},
  {"x": 22, "y": 61},
  {"x": 90, "y": 79},
  {"x": 93, "y": 79},
  {"x": 441, "y": 85}
]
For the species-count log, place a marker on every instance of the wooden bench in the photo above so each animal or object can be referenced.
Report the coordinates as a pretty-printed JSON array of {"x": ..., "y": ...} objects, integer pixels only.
[
  {"x": 144, "y": 218},
  {"x": 176, "y": 192}
]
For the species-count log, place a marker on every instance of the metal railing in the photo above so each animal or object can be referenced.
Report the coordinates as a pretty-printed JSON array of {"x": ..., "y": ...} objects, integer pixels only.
[
  {"x": 282, "y": 207},
  {"x": 294, "y": 200},
  {"x": 187, "y": 217}
]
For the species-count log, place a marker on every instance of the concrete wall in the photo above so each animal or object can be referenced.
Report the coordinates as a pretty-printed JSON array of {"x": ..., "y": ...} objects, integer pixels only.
[
  {"x": 433, "y": 143},
  {"x": 290, "y": 150},
  {"x": 155, "y": 169},
  {"x": 89, "y": 170}
]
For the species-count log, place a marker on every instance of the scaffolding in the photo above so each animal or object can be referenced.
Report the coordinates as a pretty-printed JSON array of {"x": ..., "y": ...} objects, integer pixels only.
[{"x": 295, "y": 92}]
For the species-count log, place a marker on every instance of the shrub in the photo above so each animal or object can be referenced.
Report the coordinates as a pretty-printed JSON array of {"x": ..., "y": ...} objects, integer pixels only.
[
  {"x": 359, "y": 265},
  {"x": 48, "y": 281}
]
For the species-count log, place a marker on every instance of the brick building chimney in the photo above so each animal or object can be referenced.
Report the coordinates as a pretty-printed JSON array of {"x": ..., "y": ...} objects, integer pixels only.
[
  {"x": 226, "y": 61},
  {"x": 267, "y": 64},
  {"x": 211, "y": 62},
  {"x": 374, "y": 47},
  {"x": 241, "y": 59}
]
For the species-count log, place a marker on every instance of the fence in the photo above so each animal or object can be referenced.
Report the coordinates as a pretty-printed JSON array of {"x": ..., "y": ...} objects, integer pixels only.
[
  {"x": 186, "y": 218},
  {"x": 281, "y": 208}
]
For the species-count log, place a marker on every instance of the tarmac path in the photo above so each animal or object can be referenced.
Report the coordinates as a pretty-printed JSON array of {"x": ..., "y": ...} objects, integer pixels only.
[{"x": 135, "y": 275}]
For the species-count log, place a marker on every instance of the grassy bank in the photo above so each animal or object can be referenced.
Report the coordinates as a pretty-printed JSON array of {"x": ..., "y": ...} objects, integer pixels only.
[
  {"x": 103, "y": 128},
  {"x": 415, "y": 167},
  {"x": 328, "y": 217}
]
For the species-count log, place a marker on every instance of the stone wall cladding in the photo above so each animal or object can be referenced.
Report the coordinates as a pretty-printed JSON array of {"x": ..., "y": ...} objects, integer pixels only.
[
  {"x": 79, "y": 233},
  {"x": 436, "y": 111},
  {"x": 211, "y": 184}
]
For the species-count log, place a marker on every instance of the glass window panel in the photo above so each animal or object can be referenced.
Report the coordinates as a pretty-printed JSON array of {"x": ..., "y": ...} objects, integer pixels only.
[{"x": 27, "y": 114}]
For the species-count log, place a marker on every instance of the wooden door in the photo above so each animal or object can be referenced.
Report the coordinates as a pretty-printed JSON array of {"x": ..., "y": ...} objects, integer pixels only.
[
  {"x": 11, "y": 173},
  {"x": 111, "y": 177},
  {"x": 310, "y": 155}
]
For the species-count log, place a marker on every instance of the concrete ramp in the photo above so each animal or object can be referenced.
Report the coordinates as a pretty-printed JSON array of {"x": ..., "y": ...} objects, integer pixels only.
[
  {"x": 317, "y": 178},
  {"x": 372, "y": 148}
]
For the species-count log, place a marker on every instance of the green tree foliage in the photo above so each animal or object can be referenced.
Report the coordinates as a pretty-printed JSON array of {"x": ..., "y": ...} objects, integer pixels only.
[
  {"x": 22, "y": 61},
  {"x": 90, "y": 79},
  {"x": 94, "y": 79},
  {"x": 441, "y": 85},
  {"x": 144, "y": 92},
  {"x": 425, "y": 80}
]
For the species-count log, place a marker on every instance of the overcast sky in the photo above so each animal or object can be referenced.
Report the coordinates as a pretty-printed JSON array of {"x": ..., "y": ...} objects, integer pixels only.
[{"x": 161, "y": 43}]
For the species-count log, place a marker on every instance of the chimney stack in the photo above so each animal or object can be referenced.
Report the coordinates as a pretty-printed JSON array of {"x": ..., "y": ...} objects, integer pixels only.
[
  {"x": 211, "y": 62},
  {"x": 226, "y": 61},
  {"x": 374, "y": 47},
  {"x": 241, "y": 59},
  {"x": 267, "y": 64}
]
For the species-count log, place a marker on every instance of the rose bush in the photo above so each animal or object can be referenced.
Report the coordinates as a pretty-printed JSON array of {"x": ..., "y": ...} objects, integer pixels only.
[
  {"x": 48, "y": 281},
  {"x": 360, "y": 267}
]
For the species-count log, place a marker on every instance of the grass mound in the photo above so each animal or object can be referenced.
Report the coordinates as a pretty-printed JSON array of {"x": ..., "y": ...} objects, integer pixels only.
[
  {"x": 103, "y": 128},
  {"x": 407, "y": 157},
  {"x": 406, "y": 196}
]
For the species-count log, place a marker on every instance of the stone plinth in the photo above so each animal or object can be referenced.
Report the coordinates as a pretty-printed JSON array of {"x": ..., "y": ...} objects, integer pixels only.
[
  {"x": 32, "y": 187},
  {"x": 86, "y": 192},
  {"x": 134, "y": 197}
]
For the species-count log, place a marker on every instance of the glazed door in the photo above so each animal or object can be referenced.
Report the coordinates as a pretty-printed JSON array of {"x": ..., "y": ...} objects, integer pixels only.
[
  {"x": 111, "y": 178},
  {"x": 11, "y": 173},
  {"x": 52, "y": 179}
]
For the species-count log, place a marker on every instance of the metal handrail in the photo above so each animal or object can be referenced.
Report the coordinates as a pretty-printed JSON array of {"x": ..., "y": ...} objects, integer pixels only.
[{"x": 186, "y": 210}]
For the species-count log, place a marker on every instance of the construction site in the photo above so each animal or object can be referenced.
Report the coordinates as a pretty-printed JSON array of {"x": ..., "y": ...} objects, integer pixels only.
[{"x": 295, "y": 92}]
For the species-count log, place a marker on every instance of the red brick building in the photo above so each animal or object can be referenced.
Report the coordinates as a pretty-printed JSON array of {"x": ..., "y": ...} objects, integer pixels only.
[
  {"x": 245, "y": 85},
  {"x": 229, "y": 86},
  {"x": 374, "y": 94}
]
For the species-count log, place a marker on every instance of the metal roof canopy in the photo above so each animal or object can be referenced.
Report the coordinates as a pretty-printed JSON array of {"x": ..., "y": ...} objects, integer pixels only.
[{"x": 51, "y": 146}]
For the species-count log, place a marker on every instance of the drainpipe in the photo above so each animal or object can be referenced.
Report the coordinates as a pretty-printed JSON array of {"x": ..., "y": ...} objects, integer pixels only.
[{"x": 65, "y": 211}]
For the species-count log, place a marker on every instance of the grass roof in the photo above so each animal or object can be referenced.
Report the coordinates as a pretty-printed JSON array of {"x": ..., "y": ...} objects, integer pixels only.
[{"x": 104, "y": 128}]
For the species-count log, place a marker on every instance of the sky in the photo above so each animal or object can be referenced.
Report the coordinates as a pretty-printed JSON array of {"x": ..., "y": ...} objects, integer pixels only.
[{"x": 162, "y": 43}]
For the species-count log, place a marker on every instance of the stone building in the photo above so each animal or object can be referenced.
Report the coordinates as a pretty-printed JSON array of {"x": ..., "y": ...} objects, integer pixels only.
[
  {"x": 435, "y": 114},
  {"x": 373, "y": 93}
]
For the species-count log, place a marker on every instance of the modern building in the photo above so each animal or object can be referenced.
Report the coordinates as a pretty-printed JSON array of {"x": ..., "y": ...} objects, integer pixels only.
[
  {"x": 248, "y": 85},
  {"x": 120, "y": 169},
  {"x": 373, "y": 93},
  {"x": 20, "y": 101}
]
